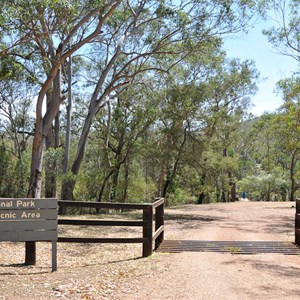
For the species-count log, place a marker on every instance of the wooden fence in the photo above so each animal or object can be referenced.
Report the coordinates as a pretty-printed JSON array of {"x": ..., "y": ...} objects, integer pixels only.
[
  {"x": 151, "y": 234},
  {"x": 297, "y": 223}
]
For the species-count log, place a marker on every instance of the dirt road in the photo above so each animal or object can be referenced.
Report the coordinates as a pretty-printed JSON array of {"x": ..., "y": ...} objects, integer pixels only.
[
  {"x": 214, "y": 276},
  {"x": 115, "y": 272}
]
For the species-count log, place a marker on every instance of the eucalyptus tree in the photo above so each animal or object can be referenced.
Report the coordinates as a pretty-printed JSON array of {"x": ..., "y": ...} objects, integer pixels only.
[
  {"x": 286, "y": 126},
  {"x": 285, "y": 37},
  {"x": 232, "y": 102},
  {"x": 227, "y": 96},
  {"x": 264, "y": 167},
  {"x": 182, "y": 113},
  {"x": 177, "y": 112},
  {"x": 199, "y": 120},
  {"x": 149, "y": 37},
  {"x": 287, "y": 145},
  {"x": 273, "y": 155},
  {"x": 45, "y": 33},
  {"x": 16, "y": 120},
  {"x": 273, "y": 152},
  {"x": 123, "y": 124},
  {"x": 16, "y": 126},
  {"x": 285, "y": 34}
]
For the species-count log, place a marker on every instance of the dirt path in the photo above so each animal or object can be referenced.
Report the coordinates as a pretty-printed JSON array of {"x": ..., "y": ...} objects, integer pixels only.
[
  {"x": 226, "y": 276},
  {"x": 232, "y": 221},
  {"x": 115, "y": 272}
]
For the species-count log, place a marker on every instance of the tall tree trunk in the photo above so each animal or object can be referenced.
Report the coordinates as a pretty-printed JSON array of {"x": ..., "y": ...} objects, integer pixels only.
[
  {"x": 161, "y": 179},
  {"x": 69, "y": 120},
  {"x": 50, "y": 168},
  {"x": 166, "y": 185},
  {"x": 292, "y": 177},
  {"x": 66, "y": 189},
  {"x": 115, "y": 183},
  {"x": 224, "y": 190},
  {"x": 172, "y": 173},
  {"x": 52, "y": 138},
  {"x": 43, "y": 123},
  {"x": 69, "y": 184},
  {"x": 42, "y": 126},
  {"x": 201, "y": 197},
  {"x": 232, "y": 193},
  {"x": 105, "y": 181},
  {"x": 126, "y": 180},
  {"x": 35, "y": 187},
  {"x": 95, "y": 104},
  {"x": 218, "y": 192},
  {"x": 49, "y": 163},
  {"x": 223, "y": 195}
]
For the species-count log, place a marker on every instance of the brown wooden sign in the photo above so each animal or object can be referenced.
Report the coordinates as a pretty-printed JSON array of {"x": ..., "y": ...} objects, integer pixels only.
[{"x": 24, "y": 220}]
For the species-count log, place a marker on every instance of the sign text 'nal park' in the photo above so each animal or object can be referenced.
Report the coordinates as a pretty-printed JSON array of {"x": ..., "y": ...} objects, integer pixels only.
[{"x": 20, "y": 214}]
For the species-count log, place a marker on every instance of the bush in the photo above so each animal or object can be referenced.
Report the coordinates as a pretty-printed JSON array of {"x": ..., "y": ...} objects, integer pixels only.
[
  {"x": 140, "y": 191},
  {"x": 264, "y": 187},
  {"x": 179, "y": 197}
]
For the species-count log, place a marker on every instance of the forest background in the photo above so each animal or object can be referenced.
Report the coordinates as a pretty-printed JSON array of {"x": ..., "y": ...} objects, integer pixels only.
[{"x": 125, "y": 101}]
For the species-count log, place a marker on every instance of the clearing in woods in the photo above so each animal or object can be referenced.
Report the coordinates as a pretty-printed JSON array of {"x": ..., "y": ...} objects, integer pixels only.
[{"x": 87, "y": 271}]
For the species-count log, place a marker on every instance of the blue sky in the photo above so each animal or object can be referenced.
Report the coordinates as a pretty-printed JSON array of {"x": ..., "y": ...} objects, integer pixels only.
[{"x": 271, "y": 65}]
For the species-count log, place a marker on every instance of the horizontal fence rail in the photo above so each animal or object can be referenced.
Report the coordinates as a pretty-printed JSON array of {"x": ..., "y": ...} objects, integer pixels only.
[
  {"x": 297, "y": 223},
  {"x": 151, "y": 234}
]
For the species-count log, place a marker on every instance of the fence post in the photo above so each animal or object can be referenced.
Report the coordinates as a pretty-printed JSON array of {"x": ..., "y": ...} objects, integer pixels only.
[
  {"x": 54, "y": 256},
  {"x": 148, "y": 230},
  {"x": 159, "y": 221},
  {"x": 297, "y": 223}
]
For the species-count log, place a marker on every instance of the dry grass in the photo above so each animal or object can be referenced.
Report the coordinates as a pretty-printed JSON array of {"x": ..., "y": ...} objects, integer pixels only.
[{"x": 85, "y": 271}]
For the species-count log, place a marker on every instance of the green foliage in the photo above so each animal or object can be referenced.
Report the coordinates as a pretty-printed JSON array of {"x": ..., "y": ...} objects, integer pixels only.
[
  {"x": 9, "y": 68},
  {"x": 290, "y": 88},
  {"x": 14, "y": 174},
  {"x": 140, "y": 191},
  {"x": 179, "y": 196},
  {"x": 85, "y": 189},
  {"x": 264, "y": 187},
  {"x": 53, "y": 154},
  {"x": 285, "y": 35}
]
